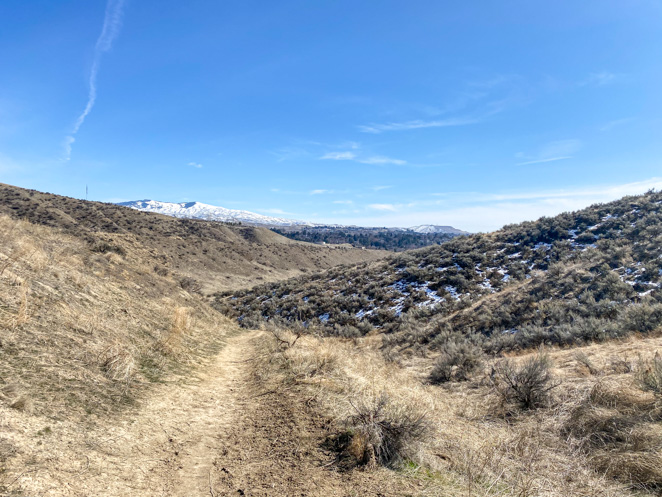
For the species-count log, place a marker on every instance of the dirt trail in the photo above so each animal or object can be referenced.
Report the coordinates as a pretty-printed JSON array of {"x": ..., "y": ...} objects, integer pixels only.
[{"x": 216, "y": 435}]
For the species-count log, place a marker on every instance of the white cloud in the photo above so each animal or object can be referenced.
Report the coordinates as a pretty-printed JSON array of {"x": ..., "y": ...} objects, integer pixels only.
[
  {"x": 381, "y": 187},
  {"x": 381, "y": 160},
  {"x": 539, "y": 161},
  {"x": 111, "y": 26},
  {"x": 320, "y": 192},
  {"x": 415, "y": 124},
  {"x": 345, "y": 202},
  {"x": 373, "y": 160},
  {"x": 195, "y": 164},
  {"x": 551, "y": 152},
  {"x": 383, "y": 207},
  {"x": 339, "y": 156},
  {"x": 487, "y": 212}
]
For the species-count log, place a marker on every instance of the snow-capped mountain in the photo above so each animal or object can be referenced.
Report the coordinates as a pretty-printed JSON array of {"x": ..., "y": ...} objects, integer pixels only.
[
  {"x": 198, "y": 210},
  {"x": 433, "y": 228}
]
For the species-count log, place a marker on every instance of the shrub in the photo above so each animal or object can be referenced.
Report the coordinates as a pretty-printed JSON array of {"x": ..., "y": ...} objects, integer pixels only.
[
  {"x": 649, "y": 375},
  {"x": 527, "y": 386},
  {"x": 457, "y": 361},
  {"x": 104, "y": 247},
  {"x": 385, "y": 434},
  {"x": 190, "y": 284}
]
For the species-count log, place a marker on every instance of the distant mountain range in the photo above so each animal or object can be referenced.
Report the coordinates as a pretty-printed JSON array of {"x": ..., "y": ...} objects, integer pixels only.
[{"x": 198, "y": 210}]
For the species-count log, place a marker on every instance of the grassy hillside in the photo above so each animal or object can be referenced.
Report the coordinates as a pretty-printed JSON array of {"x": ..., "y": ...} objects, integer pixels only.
[
  {"x": 83, "y": 332},
  {"x": 581, "y": 276},
  {"x": 209, "y": 255}
]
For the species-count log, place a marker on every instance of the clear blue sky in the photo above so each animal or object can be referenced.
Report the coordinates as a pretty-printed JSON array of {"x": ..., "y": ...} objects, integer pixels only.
[{"x": 474, "y": 113}]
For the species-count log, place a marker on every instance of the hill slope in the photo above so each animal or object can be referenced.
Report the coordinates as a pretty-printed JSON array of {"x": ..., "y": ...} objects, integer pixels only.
[
  {"x": 216, "y": 256},
  {"x": 586, "y": 275}
]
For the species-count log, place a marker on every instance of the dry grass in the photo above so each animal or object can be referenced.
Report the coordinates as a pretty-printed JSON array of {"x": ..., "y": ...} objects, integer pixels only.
[
  {"x": 83, "y": 331},
  {"x": 469, "y": 451}
]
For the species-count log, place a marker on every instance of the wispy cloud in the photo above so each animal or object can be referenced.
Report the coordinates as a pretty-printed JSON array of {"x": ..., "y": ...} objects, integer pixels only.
[
  {"x": 195, "y": 164},
  {"x": 320, "y": 192},
  {"x": 616, "y": 122},
  {"x": 599, "y": 79},
  {"x": 111, "y": 26},
  {"x": 343, "y": 202},
  {"x": 551, "y": 152},
  {"x": 339, "y": 156},
  {"x": 475, "y": 103},
  {"x": 380, "y": 187},
  {"x": 378, "y": 160},
  {"x": 381, "y": 160},
  {"x": 415, "y": 124},
  {"x": 540, "y": 161},
  {"x": 490, "y": 211},
  {"x": 289, "y": 153},
  {"x": 383, "y": 207}
]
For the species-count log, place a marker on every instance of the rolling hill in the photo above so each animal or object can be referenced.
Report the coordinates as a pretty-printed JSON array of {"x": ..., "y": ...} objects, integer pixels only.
[
  {"x": 581, "y": 276},
  {"x": 210, "y": 255}
]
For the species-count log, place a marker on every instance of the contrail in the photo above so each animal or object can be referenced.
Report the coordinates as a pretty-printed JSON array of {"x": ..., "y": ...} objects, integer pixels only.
[{"x": 111, "y": 26}]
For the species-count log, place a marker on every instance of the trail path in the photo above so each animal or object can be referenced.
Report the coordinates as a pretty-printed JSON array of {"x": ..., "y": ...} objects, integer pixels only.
[{"x": 217, "y": 434}]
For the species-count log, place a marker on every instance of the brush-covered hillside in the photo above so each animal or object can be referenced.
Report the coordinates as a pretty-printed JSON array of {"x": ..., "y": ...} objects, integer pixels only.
[
  {"x": 580, "y": 276},
  {"x": 208, "y": 255}
]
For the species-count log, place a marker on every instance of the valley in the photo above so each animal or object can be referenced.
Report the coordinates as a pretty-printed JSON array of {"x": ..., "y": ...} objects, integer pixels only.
[{"x": 516, "y": 363}]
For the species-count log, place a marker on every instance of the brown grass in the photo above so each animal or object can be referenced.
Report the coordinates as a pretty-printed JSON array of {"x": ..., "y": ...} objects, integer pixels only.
[
  {"x": 469, "y": 451},
  {"x": 81, "y": 331}
]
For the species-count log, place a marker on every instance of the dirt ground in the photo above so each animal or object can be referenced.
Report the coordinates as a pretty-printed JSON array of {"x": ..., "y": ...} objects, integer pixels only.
[{"x": 217, "y": 434}]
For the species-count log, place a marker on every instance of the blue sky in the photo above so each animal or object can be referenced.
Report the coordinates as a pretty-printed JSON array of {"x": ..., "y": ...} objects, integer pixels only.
[{"x": 383, "y": 113}]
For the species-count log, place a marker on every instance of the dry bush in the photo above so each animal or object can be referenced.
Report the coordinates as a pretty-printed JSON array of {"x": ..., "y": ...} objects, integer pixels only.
[
  {"x": 385, "y": 434},
  {"x": 118, "y": 364},
  {"x": 457, "y": 361},
  {"x": 527, "y": 386},
  {"x": 190, "y": 284},
  {"x": 649, "y": 374}
]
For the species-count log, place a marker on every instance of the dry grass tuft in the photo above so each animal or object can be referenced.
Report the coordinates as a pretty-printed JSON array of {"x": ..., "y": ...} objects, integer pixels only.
[
  {"x": 118, "y": 363},
  {"x": 180, "y": 327},
  {"x": 649, "y": 374},
  {"x": 616, "y": 429}
]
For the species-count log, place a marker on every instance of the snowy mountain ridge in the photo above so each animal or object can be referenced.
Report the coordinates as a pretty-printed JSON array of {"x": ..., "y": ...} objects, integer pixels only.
[{"x": 198, "y": 210}]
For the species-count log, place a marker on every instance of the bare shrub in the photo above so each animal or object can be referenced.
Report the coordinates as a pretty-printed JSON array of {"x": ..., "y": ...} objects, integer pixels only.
[
  {"x": 104, "y": 247},
  {"x": 649, "y": 374},
  {"x": 385, "y": 434},
  {"x": 457, "y": 361},
  {"x": 118, "y": 364},
  {"x": 527, "y": 386},
  {"x": 190, "y": 284}
]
